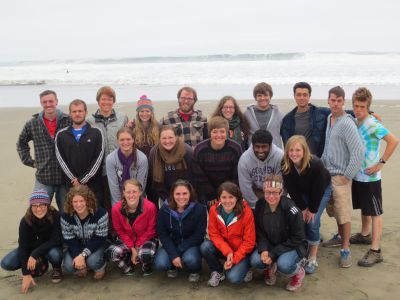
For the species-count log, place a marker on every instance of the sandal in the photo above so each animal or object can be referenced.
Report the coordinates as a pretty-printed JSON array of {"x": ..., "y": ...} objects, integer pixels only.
[{"x": 99, "y": 275}]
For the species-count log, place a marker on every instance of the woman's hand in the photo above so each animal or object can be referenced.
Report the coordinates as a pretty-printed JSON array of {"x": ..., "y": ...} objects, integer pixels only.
[
  {"x": 79, "y": 262},
  {"x": 177, "y": 262},
  {"x": 265, "y": 258},
  {"x": 229, "y": 261},
  {"x": 134, "y": 257},
  {"x": 27, "y": 280},
  {"x": 31, "y": 265},
  {"x": 308, "y": 216}
]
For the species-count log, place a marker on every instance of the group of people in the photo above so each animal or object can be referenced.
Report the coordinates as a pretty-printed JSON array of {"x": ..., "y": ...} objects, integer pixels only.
[{"x": 241, "y": 190}]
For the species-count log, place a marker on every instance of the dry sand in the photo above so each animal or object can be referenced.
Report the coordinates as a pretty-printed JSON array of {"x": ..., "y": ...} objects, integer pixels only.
[{"x": 330, "y": 282}]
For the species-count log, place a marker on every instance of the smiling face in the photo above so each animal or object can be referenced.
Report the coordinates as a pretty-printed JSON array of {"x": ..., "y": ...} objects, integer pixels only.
[
  {"x": 106, "y": 104},
  {"x": 272, "y": 196},
  {"x": 218, "y": 137},
  {"x": 49, "y": 103},
  {"x": 181, "y": 197},
  {"x": 145, "y": 115},
  {"x": 125, "y": 142},
  {"x": 263, "y": 100},
  {"x": 302, "y": 97},
  {"x": 132, "y": 195},
  {"x": 79, "y": 205},
  {"x": 186, "y": 101},
  {"x": 228, "y": 201},
  {"x": 39, "y": 210},
  {"x": 228, "y": 109},
  {"x": 168, "y": 139},
  {"x": 296, "y": 154},
  {"x": 261, "y": 151}
]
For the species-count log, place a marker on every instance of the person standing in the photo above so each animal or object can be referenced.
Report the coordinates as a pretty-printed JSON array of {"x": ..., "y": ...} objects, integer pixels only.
[
  {"x": 343, "y": 155},
  {"x": 80, "y": 151},
  {"x": 188, "y": 122},
  {"x": 42, "y": 129},
  {"x": 366, "y": 187}
]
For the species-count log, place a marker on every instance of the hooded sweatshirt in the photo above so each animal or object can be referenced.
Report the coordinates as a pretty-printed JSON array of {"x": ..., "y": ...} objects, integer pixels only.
[
  {"x": 252, "y": 171},
  {"x": 274, "y": 124}
]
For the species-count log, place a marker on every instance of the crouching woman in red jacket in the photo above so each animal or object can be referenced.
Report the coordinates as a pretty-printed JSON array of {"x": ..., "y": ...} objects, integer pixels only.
[
  {"x": 134, "y": 220},
  {"x": 232, "y": 237}
]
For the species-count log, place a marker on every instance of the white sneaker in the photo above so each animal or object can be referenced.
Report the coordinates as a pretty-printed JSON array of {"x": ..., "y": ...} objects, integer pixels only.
[
  {"x": 194, "y": 277},
  {"x": 215, "y": 278},
  {"x": 248, "y": 277}
]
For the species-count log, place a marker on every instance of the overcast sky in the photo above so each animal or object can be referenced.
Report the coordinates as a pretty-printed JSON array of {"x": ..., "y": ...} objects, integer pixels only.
[{"x": 60, "y": 29}]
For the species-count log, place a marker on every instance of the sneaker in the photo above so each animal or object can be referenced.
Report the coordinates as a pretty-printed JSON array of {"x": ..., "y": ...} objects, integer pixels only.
[
  {"x": 370, "y": 258},
  {"x": 358, "y": 238},
  {"x": 296, "y": 280},
  {"x": 147, "y": 271},
  {"x": 248, "y": 277},
  {"x": 56, "y": 275},
  {"x": 345, "y": 258},
  {"x": 194, "y": 277},
  {"x": 335, "y": 241},
  {"x": 270, "y": 275},
  {"x": 215, "y": 278},
  {"x": 130, "y": 271},
  {"x": 173, "y": 273},
  {"x": 311, "y": 266}
]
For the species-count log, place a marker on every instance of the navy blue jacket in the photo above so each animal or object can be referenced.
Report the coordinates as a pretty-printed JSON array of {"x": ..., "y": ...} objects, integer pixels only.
[
  {"x": 318, "y": 121},
  {"x": 179, "y": 234}
]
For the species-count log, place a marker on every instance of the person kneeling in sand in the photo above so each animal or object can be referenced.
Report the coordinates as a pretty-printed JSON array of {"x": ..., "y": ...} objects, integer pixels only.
[
  {"x": 134, "y": 219},
  {"x": 281, "y": 241},
  {"x": 39, "y": 241},
  {"x": 84, "y": 229}
]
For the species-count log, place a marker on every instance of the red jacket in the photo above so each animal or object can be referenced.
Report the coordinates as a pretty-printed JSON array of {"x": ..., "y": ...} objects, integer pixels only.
[
  {"x": 239, "y": 237},
  {"x": 141, "y": 231}
]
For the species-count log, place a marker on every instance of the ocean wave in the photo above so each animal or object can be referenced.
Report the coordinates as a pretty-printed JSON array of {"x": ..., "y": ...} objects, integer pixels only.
[{"x": 21, "y": 82}]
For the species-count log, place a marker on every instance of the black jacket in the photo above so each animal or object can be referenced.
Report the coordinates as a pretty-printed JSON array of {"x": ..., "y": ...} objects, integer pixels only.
[
  {"x": 280, "y": 231},
  {"x": 37, "y": 239},
  {"x": 311, "y": 183},
  {"x": 83, "y": 159}
]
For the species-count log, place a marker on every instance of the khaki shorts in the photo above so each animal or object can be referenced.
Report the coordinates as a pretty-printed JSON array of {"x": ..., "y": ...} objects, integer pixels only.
[{"x": 340, "y": 204}]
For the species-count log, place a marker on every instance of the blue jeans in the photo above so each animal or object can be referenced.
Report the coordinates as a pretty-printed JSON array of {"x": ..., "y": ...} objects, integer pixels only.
[
  {"x": 312, "y": 228},
  {"x": 94, "y": 261},
  {"x": 288, "y": 263},
  {"x": 11, "y": 261},
  {"x": 212, "y": 256},
  {"x": 59, "y": 190},
  {"x": 191, "y": 258}
]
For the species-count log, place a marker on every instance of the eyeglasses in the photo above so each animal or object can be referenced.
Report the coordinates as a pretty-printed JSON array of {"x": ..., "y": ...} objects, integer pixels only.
[
  {"x": 186, "y": 99},
  {"x": 274, "y": 194},
  {"x": 228, "y": 108},
  {"x": 41, "y": 205}
]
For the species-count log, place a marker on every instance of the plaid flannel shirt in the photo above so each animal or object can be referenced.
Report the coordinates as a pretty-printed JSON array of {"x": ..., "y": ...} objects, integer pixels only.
[
  {"x": 193, "y": 131},
  {"x": 48, "y": 171}
]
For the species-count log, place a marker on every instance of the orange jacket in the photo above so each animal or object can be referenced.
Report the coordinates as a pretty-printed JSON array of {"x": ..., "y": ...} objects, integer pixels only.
[{"x": 239, "y": 237}]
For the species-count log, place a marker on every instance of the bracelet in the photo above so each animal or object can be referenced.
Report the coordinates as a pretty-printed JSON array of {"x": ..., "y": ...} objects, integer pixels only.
[{"x": 382, "y": 161}]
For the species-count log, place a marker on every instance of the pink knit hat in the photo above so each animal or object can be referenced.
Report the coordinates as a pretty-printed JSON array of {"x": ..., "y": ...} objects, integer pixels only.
[{"x": 144, "y": 102}]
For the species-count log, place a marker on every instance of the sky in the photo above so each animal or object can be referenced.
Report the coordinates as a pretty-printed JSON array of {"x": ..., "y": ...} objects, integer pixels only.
[{"x": 60, "y": 29}]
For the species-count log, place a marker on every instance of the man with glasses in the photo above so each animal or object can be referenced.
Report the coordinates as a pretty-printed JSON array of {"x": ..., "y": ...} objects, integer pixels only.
[{"x": 189, "y": 123}]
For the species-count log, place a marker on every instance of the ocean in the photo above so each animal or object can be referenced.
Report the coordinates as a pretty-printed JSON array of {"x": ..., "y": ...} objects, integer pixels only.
[{"x": 213, "y": 76}]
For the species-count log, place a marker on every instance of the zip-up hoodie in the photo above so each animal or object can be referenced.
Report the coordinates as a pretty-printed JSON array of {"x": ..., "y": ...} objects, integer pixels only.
[
  {"x": 252, "y": 171},
  {"x": 237, "y": 237},
  {"x": 274, "y": 124},
  {"x": 178, "y": 233},
  {"x": 143, "y": 228}
]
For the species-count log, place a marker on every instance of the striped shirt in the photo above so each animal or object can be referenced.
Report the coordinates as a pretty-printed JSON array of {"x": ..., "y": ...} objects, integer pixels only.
[{"x": 344, "y": 150}]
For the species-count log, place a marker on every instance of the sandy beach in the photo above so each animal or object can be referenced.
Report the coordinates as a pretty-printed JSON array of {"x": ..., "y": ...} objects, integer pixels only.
[{"x": 329, "y": 282}]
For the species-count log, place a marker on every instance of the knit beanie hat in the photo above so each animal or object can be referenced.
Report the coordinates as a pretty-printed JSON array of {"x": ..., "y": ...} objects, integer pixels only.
[
  {"x": 39, "y": 196},
  {"x": 144, "y": 102}
]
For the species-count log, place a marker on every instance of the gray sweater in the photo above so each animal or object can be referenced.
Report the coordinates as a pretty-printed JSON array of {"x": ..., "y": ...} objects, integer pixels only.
[
  {"x": 114, "y": 173},
  {"x": 274, "y": 124},
  {"x": 344, "y": 150},
  {"x": 252, "y": 171}
]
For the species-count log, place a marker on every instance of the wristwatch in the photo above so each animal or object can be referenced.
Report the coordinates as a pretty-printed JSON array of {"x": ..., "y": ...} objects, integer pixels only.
[
  {"x": 84, "y": 254},
  {"x": 382, "y": 161}
]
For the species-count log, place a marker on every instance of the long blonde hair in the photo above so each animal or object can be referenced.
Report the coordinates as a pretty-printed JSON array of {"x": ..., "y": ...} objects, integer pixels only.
[
  {"x": 287, "y": 163},
  {"x": 152, "y": 138}
]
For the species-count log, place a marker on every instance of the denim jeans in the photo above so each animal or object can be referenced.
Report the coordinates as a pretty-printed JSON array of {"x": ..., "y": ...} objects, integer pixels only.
[
  {"x": 59, "y": 190},
  {"x": 312, "y": 228},
  {"x": 288, "y": 263},
  {"x": 213, "y": 256},
  {"x": 11, "y": 261},
  {"x": 94, "y": 261},
  {"x": 191, "y": 258}
]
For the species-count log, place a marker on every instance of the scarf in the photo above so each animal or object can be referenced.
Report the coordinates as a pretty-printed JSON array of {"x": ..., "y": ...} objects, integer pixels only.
[
  {"x": 163, "y": 157},
  {"x": 126, "y": 164},
  {"x": 235, "y": 132}
]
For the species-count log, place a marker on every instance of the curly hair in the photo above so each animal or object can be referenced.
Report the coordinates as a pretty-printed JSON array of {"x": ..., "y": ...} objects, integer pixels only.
[{"x": 83, "y": 191}]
